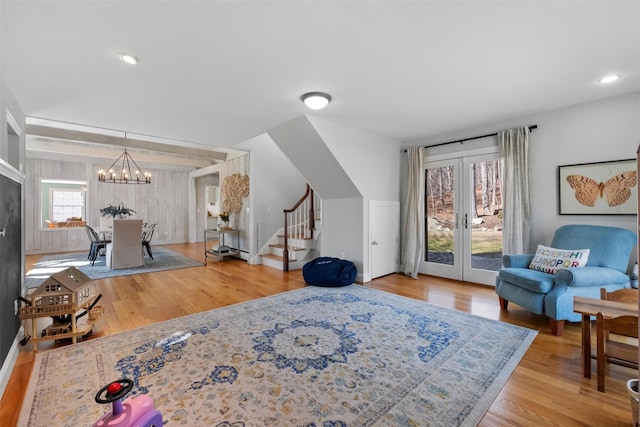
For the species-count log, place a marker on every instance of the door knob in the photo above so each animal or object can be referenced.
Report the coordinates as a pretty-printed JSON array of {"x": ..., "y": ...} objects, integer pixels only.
[{"x": 374, "y": 243}]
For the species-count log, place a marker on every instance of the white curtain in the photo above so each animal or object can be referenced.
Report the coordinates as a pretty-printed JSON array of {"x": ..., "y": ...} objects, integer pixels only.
[
  {"x": 413, "y": 222},
  {"x": 514, "y": 149}
]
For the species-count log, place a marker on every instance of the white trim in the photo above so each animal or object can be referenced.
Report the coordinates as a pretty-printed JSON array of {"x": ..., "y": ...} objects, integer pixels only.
[
  {"x": 10, "y": 362},
  {"x": 208, "y": 170},
  {"x": 124, "y": 134},
  {"x": 72, "y": 126},
  {"x": 458, "y": 154},
  {"x": 10, "y": 172},
  {"x": 11, "y": 121}
]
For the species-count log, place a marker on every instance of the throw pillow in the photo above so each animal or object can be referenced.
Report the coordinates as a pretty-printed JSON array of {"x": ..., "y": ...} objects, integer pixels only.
[{"x": 550, "y": 260}]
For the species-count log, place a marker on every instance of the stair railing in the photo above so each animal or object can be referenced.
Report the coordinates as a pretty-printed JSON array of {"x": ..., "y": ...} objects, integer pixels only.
[{"x": 298, "y": 223}]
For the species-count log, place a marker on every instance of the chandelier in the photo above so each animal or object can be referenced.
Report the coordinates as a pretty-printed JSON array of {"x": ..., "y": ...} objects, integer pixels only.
[{"x": 122, "y": 174}]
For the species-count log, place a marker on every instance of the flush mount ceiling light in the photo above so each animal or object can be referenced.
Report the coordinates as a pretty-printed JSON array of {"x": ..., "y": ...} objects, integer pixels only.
[
  {"x": 316, "y": 100},
  {"x": 128, "y": 58},
  {"x": 610, "y": 78}
]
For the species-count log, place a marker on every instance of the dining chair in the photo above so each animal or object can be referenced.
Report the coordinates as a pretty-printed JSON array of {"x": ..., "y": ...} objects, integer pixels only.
[
  {"x": 147, "y": 235},
  {"x": 97, "y": 244},
  {"x": 617, "y": 338},
  {"x": 125, "y": 250}
]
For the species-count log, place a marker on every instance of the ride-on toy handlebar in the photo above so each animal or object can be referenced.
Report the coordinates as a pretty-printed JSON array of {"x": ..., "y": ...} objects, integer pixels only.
[{"x": 137, "y": 411}]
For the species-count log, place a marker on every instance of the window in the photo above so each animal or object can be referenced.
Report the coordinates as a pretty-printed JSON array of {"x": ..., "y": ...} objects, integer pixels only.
[
  {"x": 66, "y": 204},
  {"x": 63, "y": 203}
]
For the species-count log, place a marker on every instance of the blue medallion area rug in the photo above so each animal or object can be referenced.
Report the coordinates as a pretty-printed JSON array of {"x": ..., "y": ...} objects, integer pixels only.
[
  {"x": 163, "y": 259},
  {"x": 321, "y": 357}
]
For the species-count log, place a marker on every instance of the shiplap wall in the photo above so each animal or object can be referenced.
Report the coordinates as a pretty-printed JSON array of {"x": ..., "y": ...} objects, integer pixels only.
[{"x": 164, "y": 202}]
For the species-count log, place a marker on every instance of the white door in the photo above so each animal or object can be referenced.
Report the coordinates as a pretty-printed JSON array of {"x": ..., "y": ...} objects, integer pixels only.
[
  {"x": 482, "y": 249},
  {"x": 443, "y": 237},
  {"x": 463, "y": 228},
  {"x": 384, "y": 226}
]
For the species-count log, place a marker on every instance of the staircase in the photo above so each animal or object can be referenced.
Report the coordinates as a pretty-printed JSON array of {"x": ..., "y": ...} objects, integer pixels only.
[{"x": 294, "y": 244}]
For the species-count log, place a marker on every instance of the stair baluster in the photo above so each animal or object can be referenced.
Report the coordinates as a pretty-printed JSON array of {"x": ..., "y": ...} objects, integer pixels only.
[{"x": 301, "y": 228}]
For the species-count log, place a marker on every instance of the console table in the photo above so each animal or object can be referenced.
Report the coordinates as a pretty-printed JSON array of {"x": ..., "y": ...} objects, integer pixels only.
[{"x": 221, "y": 250}]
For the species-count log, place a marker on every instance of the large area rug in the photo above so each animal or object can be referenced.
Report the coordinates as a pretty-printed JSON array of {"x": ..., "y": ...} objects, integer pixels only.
[
  {"x": 348, "y": 356},
  {"x": 163, "y": 259}
]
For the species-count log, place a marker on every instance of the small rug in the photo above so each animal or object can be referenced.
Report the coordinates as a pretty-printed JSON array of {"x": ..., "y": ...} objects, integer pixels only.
[
  {"x": 349, "y": 356},
  {"x": 163, "y": 259}
]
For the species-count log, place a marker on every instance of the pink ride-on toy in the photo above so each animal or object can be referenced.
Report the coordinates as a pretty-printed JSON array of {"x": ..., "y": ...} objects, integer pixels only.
[{"x": 137, "y": 411}]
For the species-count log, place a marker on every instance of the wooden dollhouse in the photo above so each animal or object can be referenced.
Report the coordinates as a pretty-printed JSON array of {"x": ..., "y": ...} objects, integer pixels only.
[{"x": 60, "y": 297}]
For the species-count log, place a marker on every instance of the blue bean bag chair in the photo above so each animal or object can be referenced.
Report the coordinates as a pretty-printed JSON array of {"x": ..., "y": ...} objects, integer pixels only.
[{"x": 329, "y": 272}]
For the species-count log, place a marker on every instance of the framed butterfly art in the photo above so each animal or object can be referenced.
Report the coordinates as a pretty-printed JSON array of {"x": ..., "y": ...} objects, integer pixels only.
[{"x": 604, "y": 188}]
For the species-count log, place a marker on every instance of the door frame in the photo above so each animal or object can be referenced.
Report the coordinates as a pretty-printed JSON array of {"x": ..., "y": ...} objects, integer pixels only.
[{"x": 459, "y": 270}]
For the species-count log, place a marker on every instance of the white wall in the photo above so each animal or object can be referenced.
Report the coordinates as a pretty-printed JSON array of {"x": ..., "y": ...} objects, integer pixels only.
[
  {"x": 342, "y": 231},
  {"x": 598, "y": 131},
  {"x": 276, "y": 184},
  {"x": 372, "y": 163},
  {"x": 306, "y": 149},
  {"x": 369, "y": 159}
]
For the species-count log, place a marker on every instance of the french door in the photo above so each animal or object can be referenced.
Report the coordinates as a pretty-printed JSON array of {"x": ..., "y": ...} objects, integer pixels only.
[{"x": 463, "y": 218}]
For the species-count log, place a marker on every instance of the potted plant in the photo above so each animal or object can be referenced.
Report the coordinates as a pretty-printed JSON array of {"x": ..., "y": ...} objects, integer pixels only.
[
  {"x": 117, "y": 211},
  {"x": 224, "y": 217}
]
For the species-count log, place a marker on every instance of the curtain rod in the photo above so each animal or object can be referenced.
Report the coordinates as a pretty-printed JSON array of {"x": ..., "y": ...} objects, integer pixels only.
[{"x": 461, "y": 141}]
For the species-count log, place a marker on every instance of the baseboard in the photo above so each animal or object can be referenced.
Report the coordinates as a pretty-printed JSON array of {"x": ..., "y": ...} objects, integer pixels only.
[
  {"x": 255, "y": 260},
  {"x": 10, "y": 362}
]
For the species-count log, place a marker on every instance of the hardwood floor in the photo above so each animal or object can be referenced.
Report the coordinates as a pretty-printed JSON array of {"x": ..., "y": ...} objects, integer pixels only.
[{"x": 546, "y": 388}]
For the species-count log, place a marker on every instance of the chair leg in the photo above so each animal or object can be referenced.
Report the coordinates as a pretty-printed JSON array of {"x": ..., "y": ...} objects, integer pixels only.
[
  {"x": 148, "y": 246},
  {"x": 93, "y": 254},
  {"x": 503, "y": 303},
  {"x": 557, "y": 327}
]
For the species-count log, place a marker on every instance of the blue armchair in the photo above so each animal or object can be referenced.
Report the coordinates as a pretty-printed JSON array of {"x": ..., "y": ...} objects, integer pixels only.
[{"x": 552, "y": 294}]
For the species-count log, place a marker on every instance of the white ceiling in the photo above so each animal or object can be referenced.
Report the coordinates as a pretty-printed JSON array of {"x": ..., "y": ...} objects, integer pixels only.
[{"x": 216, "y": 73}]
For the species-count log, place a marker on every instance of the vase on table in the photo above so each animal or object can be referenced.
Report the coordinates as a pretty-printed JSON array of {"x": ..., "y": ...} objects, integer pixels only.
[{"x": 224, "y": 221}]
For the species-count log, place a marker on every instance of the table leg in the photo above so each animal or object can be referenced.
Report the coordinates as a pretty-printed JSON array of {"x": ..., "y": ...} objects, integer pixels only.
[
  {"x": 220, "y": 245},
  {"x": 586, "y": 345},
  {"x": 601, "y": 360}
]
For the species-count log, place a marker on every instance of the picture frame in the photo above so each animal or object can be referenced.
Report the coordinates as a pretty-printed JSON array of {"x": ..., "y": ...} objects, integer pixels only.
[{"x": 602, "y": 188}]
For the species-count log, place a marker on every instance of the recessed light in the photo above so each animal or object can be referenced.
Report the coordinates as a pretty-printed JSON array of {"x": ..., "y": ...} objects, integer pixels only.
[
  {"x": 128, "y": 58},
  {"x": 609, "y": 79},
  {"x": 316, "y": 100}
]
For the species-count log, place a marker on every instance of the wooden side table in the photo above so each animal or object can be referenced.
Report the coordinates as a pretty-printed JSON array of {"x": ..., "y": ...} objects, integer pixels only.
[{"x": 592, "y": 307}]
